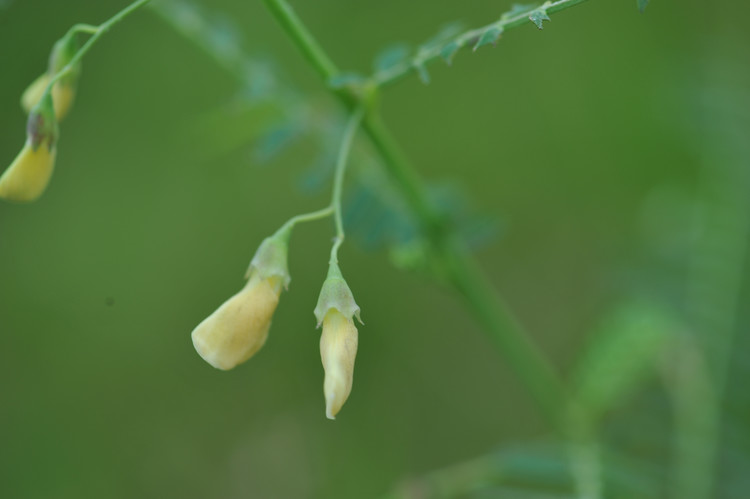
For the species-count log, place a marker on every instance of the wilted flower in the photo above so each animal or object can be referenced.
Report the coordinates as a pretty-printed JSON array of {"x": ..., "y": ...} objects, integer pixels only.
[
  {"x": 338, "y": 343},
  {"x": 28, "y": 175},
  {"x": 64, "y": 90},
  {"x": 239, "y": 327}
]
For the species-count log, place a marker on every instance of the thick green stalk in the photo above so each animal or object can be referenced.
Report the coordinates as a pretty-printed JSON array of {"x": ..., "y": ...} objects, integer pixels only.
[
  {"x": 523, "y": 356},
  {"x": 302, "y": 38}
]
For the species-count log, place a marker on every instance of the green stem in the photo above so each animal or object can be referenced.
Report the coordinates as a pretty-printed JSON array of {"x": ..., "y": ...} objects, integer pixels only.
[
  {"x": 338, "y": 180},
  {"x": 697, "y": 420},
  {"x": 96, "y": 33},
  {"x": 83, "y": 28},
  {"x": 334, "y": 208},
  {"x": 716, "y": 280},
  {"x": 471, "y": 283},
  {"x": 523, "y": 356},
  {"x": 467, "y": 39}
]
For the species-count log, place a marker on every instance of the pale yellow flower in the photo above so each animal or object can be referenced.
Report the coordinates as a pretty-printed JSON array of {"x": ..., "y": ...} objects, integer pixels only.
[
  {"x": 239, "y": 327},
  {"x": 63, "y": 94},
  {"x": 338, "y": 349},
  {"x": 29, "y": 174}
]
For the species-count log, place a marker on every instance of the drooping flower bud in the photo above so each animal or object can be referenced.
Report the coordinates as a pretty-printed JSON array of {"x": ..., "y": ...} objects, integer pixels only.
[
  {"x": 338, "y": 343},
  {"x": 239, "y": 327},
  {"x": 64, "y": 90},
  {"x": 28, "y": 175}
]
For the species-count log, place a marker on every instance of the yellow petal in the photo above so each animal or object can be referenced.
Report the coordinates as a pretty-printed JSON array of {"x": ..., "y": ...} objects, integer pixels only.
[
  {"x": 28, "y": 175},
  {"x": 239, "y": 327},
  {"x": 63, "y": 95},
  {"x": 338, "y": 349},
  {"x": 33, "y": 94}
]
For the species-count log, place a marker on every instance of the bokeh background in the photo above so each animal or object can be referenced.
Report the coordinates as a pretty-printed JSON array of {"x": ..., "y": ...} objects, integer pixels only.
[{"x": 588, "y": 145}]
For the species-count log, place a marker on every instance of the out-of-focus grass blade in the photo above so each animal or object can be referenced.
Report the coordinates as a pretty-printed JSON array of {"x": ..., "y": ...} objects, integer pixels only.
[
  {"x": 621, "y": 355},
  {"x": 229, "y": 128},
  {"x": 536, "y": 470}
]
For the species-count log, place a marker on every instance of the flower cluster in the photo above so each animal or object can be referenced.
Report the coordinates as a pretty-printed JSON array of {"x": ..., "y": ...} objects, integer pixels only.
[
  {"x": 239, "y": 327},
  {"x": 28, "y": 175}
]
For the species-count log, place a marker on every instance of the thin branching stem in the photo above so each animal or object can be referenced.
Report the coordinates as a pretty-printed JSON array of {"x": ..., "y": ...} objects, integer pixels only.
[
  {"x": 96, "y": 32},
  {"x": 471, "y": 283},
  {"x": 338, "y": 180},
  {"x": 468, "y": 39},
  {"x": 306, "y": 217},
  {"x": 334, "y": 208}
]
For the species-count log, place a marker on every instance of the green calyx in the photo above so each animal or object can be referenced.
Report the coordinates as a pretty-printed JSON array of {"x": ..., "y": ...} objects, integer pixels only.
[
  {"x": 271, "y": 258},
  {"x": 335, "y": 294},
  {"x": 41, "y": 127},
  {"x": 62, "y": 53}
]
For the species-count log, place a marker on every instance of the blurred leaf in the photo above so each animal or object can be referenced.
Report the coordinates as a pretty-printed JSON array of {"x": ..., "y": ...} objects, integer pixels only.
[
  {"x": 275, "y": 142},
  {"x": 233, "y": 126},
  {"x": 455, "y": 204},
  {"x": 491, "y": 35},
  {"x": 642, "y": 4},
  {"x": 424, "y": 75},
  {"x": 536, "y": 470},
  {"x": 391, "y": 56},
  {"x": 318, "y": 174},
  {"x": 538, "y": 17},
  {"x": 445, "y": 34},
  {"x": 449, "y": 51},
  {"x": 412, "y": 255},
  {"x": 346, "y": 79},
  {"x": 259, "y": 79},
  {"x": 620, "y": 356},
  {"x": 224, "y": 38},
  {"x": 374, "y": 214},
  {"x": 517, "y": 9}
]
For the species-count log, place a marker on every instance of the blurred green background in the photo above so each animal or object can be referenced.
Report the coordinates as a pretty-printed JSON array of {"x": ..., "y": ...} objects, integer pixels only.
[{"x": 588, "y": 142}]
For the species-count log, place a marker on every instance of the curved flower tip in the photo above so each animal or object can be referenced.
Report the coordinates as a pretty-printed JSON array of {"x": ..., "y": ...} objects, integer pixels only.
[
  {"x": 27, "y": 177},
  {"x": 338, "y": 349},
  {"x": 239, "y": 327},
  {"x": 63, "y": 95}
]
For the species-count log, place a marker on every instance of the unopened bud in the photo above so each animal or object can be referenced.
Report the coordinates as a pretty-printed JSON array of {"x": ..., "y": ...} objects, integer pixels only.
[
  {"x": 338, "y": 342},
  {"x": 239, "y": 327},
  {"x": 338, "y": 350},
  {"x": 27, "y": 177},
  {"x": 64, "y": 90},
  {"x": 335, "y": 293}
]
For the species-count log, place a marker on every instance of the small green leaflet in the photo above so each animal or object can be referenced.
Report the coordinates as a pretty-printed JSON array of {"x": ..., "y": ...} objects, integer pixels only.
[
  {"x": 447, "y": 32},
  {"x": 449, "y": 51},
  {"x": 422, "y": 71},
  {"x": 538, "y": 17},
  {"x": 391, "y": 56},
  {"x": 642, "y": 4},
  {"x": 490, "y": 35}
]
